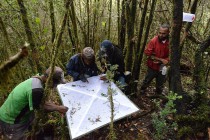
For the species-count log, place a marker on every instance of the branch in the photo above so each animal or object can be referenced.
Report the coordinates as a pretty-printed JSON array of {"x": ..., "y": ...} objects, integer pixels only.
[
  {"x": 14, "y": 60},
  {"x": 193, "y": 39}
]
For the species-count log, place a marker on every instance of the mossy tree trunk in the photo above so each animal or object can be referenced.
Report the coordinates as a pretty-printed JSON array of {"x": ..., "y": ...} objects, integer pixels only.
[
  {"x": 140, "y": 50},
  {"x": 175, "y": 78},
  {"x": 56, "y": 44},
  {"x": 5, "y": 35},
  {"x": 88, "y": 23},
  {"x": 7, "y": 52},
  {"x": 136, "y": 66},
  {"x": 71, "y": 35},
  {"x": 84, "y": 32},
  {"x": 35, "y": 57},
  {"x": 207, "y": 71},
  {"x": 110, "y": 18},
  {"x": 95, "y": 23},
  {"x": 74, "y": 24},
  {"x": 199, "y": 71},
  {"x": 52, "y": 19},
  {"x": 130, "y": 15},
  {"x": 121, "y": 39},
  {"x": 198, "y": 120},
  {"x": 118, "y": 21}
]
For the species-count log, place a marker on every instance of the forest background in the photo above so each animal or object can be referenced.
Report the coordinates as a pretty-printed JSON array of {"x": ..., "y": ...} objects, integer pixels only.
[{"x": 57, "y": 29}]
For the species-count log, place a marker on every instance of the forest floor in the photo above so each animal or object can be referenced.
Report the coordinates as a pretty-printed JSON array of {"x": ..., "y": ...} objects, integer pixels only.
[{"x": 137, "y": 126}]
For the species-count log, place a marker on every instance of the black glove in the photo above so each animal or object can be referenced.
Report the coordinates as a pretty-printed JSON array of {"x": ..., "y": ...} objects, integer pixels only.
[{"x": 83, "y": 78}]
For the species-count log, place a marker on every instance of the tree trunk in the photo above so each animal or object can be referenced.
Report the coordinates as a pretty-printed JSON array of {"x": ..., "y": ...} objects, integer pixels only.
[
  {"x": 56, "y": 44},
  {"x": 175, "y": 78},
  {"x": 207, "y": 71},
  {"x": 70, "y": 35},
  {"x": 139, "y": 57},
  {"x": 88, "y": 23},
  {"x": 118, "y": 21},
  {"x": 5, "y": 34},
  {"x": 151, "y": 15},
  {"x": 95, "y": 23},
  {"x": 131, "y": 14},
  {"x": 52, "y": 19},
  {"x": 136, "y": 65},
  {"x": 74, "y": 24},
  {"x": 110, "y": 18},
  {"x": 83, "y": 32},
  {"x": 199, "y": 71},
  {"x": 28, "y": 31},
  {"x": 122, "y": 27}
]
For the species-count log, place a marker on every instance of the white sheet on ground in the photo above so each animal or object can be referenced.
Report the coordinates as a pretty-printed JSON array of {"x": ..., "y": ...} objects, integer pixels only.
[{"x": 89, "y": 107}]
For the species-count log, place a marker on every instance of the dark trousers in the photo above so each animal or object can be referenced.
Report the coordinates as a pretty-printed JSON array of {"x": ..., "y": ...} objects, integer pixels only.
[
  {"x": 15, "y": 131},
  {"x": 160, "y": 80}
]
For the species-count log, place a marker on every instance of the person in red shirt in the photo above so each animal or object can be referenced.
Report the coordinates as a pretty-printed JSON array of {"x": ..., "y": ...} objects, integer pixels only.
[{"x": 157, "y": 53}]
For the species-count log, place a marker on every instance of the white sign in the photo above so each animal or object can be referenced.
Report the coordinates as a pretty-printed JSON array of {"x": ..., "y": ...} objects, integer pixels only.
[
  {"x": 188, "y": 17},
  {"x": 89, "y": 107}
]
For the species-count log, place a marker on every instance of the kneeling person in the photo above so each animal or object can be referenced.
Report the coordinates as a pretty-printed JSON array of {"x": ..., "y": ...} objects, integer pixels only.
[
  {"x": 17, "y": 112},
  {"x": 82, "y": 65}
]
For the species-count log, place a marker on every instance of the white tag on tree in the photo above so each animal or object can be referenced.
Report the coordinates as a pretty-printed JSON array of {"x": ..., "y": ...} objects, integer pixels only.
[{"x": 188, "y": 17}]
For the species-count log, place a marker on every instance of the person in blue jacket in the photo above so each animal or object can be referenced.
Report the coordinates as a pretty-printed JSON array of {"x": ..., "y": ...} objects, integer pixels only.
[{"x": 82, "y": 65}]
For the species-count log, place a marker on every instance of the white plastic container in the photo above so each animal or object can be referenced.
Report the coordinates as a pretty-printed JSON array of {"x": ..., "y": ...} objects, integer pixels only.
[
  {"x": 188, "y": 17},
  {"x": 164, "y": 70}
]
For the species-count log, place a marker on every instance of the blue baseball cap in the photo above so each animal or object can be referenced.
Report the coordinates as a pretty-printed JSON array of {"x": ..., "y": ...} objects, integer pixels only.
[{"x": 106, "y": 47}]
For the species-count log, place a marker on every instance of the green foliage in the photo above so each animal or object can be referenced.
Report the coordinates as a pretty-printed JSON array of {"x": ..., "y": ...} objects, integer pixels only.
[
  {"x": 34, "y": 1},
  {"x": 42, "y": 48},
  {"x": 103, "y": 24},
  {"x": 37, "y": 20},
  {"x": 110, "y": 71},
  {"x": 184, "y": 130},
  {"x": 160, "y": 120}
]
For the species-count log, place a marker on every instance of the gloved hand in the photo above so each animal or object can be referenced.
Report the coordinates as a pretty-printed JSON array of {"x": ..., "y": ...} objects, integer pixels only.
[{"x": 83, "y": 78}]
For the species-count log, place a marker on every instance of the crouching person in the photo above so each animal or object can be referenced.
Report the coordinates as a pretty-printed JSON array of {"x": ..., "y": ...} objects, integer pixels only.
[
  {"x": 110, "y": 54},
  {"x": 17, "y": 112},
  {"x": 82, "y": 65}
]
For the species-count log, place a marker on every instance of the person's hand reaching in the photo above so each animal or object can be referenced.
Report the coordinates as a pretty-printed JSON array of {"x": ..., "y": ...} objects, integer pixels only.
[
  {"x": 103, "y": 77},
  {"x": 62, "y": 109},
  {"x": 83, "y": 78}
]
